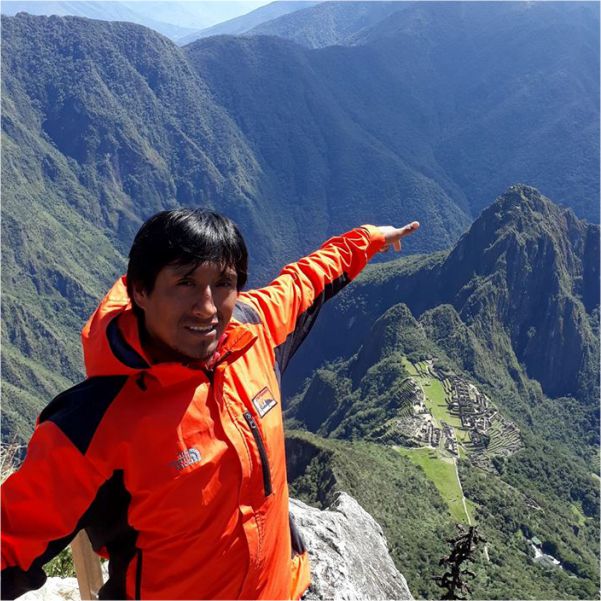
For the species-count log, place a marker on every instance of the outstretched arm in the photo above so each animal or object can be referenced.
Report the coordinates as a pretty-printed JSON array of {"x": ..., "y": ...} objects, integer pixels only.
[
  {"x": 290, "y": 304},
  {"x": 42, "y": 504}
]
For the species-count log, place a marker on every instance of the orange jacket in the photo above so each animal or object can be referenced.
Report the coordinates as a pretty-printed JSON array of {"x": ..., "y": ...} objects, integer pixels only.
[{"x": 177, "y": 474}]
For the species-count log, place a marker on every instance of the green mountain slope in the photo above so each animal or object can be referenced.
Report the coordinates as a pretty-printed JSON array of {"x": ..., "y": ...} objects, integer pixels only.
[
  {"x": 448, "y": 376},
  {"x": 304, "y": 116},
  {"x": 523, "y": 281},
  {"x": 393, "y": 490},
  {"x": 492, "y": 81},
  {"x": 93, "y": 144}
]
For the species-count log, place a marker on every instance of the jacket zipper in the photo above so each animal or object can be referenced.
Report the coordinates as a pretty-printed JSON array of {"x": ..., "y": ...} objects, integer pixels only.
[
  {"x": 262, "y": 452},
  {"x": 250, "y": 420}
]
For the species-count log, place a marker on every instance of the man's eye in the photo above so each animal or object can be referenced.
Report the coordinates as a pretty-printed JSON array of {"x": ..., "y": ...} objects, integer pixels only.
[
  {"x": 226, "y": 283},
  {"x": 185, "y": 282}
]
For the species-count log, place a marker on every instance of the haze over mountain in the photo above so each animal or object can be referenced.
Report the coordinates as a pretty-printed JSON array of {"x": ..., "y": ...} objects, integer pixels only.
[
  {"x": 173, "y": 19},
  {"x": 329, "y": 23},
  {"x": 246, "y": 22}
]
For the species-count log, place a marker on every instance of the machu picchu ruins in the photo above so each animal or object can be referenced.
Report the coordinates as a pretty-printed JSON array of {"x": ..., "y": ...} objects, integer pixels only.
[{"x": 469, "y": 425}]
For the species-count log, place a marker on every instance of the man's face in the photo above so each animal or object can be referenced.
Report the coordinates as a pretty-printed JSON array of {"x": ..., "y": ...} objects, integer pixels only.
[{"x": 187, "y": 311}]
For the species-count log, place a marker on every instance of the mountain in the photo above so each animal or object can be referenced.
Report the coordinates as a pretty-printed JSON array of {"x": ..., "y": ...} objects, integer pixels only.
[
  {"x": 118, "y": 123},
  {"x": 327, "y": 158},
  {"x": 107, "y": 11},
  {"x": 485, "y": 357},
  {"x": 523, "y": 281},
  {"x": 174, "y": 19},
  {"x": 485, "y": 76},
  {"x": 243, "y": 23},
  {"x": 328, "y": 23}
]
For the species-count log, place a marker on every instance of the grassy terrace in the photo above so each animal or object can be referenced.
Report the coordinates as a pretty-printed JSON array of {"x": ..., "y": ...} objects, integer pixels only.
[
  {"x": 435, "y": 398},
  {"x": 441, "y": 470},
  {"x": 436, "y": 463}
]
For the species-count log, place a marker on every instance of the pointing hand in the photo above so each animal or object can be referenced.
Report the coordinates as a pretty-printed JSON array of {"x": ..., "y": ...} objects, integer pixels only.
[{"x": 393, "y": 235}]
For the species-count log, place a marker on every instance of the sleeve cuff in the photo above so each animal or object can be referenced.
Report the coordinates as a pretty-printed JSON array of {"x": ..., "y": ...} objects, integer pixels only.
[{"x": 376, "y": 239}]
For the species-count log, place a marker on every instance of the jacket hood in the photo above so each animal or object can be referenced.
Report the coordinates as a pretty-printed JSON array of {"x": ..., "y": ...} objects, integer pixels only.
[{"x": 110, "y": 338}]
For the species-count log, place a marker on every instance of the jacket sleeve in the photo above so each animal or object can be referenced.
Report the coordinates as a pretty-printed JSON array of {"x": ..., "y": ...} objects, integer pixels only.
[
  {"x": 291, "y": 303},
  {"x": 42, "y": 507}
]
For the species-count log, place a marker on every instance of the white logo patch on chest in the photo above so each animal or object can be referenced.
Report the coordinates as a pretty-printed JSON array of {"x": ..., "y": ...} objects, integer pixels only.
[
  {"x": 264, "y": 401},
  {"x": 186, "y": 458}
]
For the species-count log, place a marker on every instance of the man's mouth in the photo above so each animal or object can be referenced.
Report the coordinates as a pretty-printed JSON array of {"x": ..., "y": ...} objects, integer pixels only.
[{"x": 205, "y": 330}]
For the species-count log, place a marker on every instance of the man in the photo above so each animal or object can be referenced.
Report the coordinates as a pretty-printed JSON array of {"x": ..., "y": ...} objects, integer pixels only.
[{"x": 171, "y": 453}]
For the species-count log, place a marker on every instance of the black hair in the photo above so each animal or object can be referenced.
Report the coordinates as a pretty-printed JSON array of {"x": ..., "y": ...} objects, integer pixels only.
[{"x": 185, "y": 237}]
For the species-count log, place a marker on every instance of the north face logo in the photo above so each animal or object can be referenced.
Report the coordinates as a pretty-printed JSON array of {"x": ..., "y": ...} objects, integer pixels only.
[{"x": 186, "y": 458}]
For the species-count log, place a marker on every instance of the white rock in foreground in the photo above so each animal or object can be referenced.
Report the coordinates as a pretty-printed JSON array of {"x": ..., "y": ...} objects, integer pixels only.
[
  {"x": 55, "y": 589},
  {"x": 348, "y": 552}
]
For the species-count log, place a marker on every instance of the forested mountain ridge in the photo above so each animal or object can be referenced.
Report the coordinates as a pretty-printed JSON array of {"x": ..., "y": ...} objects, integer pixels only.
[
  {"x": 486, "y": 76},
  {"x": 523, "y": 280},
  {"x": 98, "y": 122},
  {"x": 487, "y": 356}
]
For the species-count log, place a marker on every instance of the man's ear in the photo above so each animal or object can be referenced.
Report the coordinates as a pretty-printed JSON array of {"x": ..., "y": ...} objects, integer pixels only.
[{"x": 140, "y": 295}]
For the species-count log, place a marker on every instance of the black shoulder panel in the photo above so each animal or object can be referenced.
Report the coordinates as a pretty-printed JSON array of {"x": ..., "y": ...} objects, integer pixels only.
[
  {"x": 304, "y": 323},
  {"x": 79, "y": 410},
  {"x": 244, "y": 313}
]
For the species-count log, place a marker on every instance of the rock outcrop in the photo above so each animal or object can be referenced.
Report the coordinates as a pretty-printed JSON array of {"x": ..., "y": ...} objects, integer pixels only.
[
  {"x": 348, "y": 552},
  {"x": 55, "y": 589}
]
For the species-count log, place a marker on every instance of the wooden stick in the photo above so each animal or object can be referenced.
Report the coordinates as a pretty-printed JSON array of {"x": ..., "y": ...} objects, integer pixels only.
[{"x": 87, "y": 566}]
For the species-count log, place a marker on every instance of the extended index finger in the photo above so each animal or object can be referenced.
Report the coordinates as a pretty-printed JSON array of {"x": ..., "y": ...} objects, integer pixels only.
[{"x": 408, "y": 229}]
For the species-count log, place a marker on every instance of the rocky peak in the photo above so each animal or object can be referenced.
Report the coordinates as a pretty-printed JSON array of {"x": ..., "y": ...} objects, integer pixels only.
[
  {"x": 348, "y": 552},
  {"x": 527, "y": 266},
  {"x": 521, "y": 232}
]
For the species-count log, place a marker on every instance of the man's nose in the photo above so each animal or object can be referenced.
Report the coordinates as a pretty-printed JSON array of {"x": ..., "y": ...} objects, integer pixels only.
[{"x": 204, "y": 305}]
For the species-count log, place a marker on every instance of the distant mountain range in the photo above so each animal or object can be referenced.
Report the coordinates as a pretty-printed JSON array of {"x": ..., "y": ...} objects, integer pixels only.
[
  {"x": 175, "y": 19},
  {"x": 249, "y": 21},
  {"x": 484, "y": 76},
  {"x": 106, "y": 123}
]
